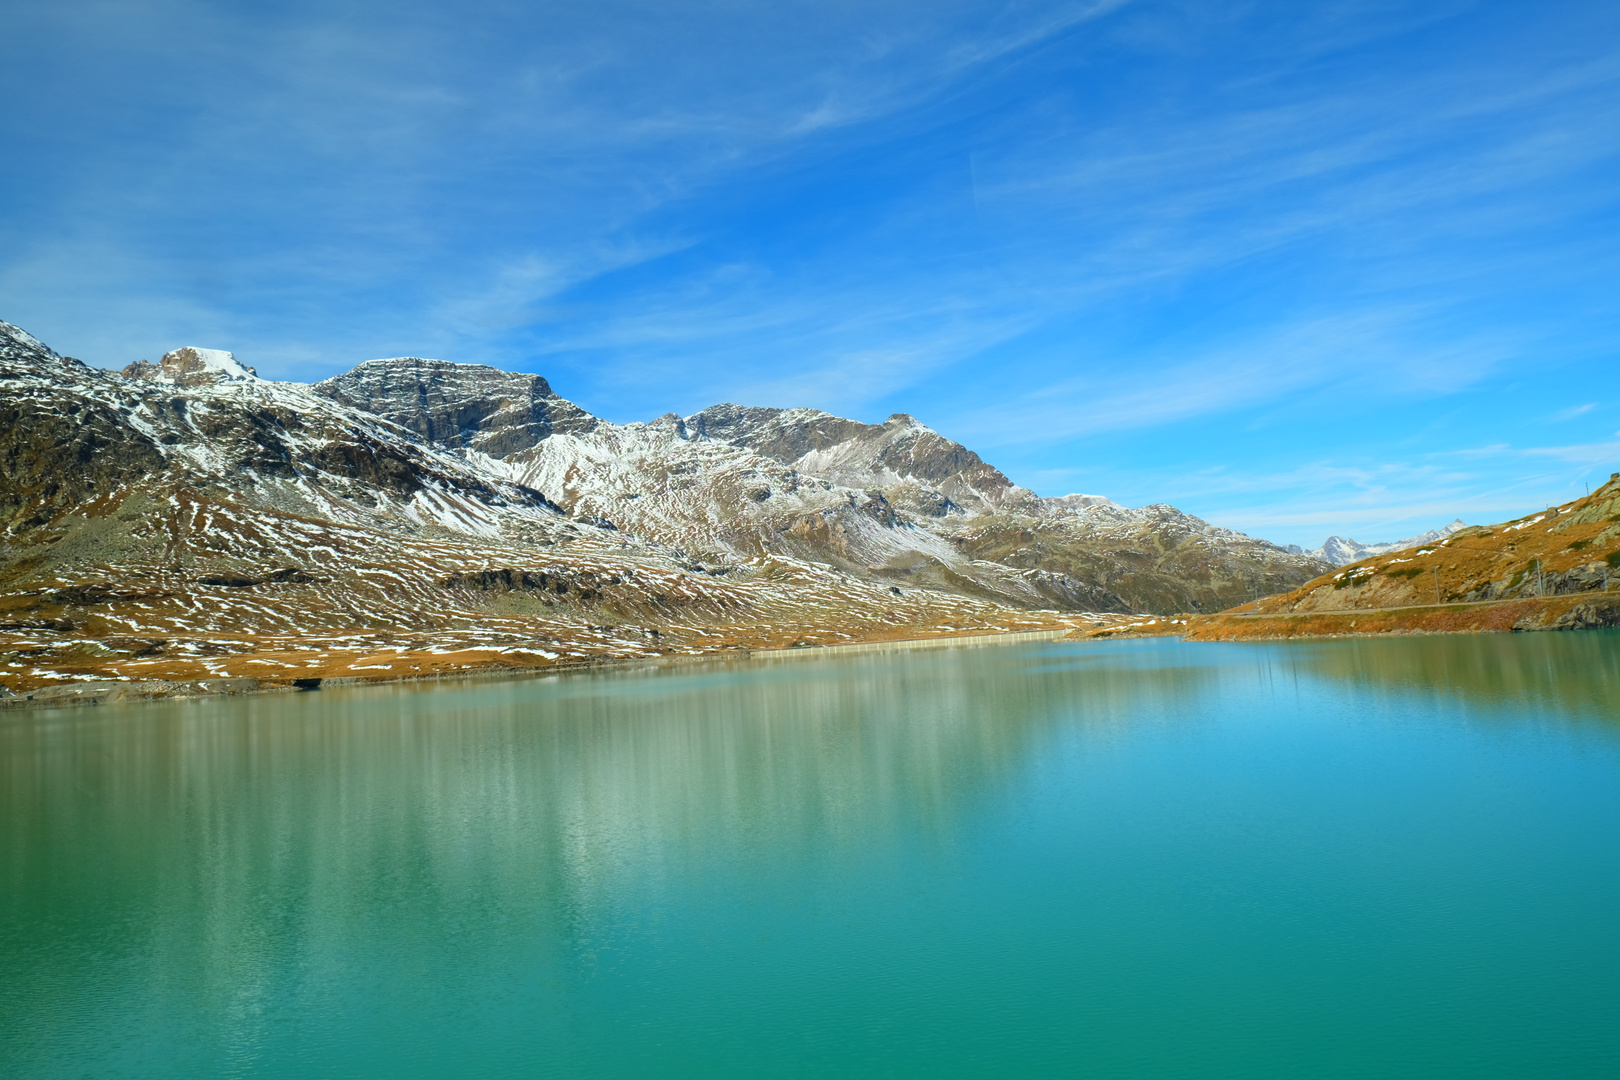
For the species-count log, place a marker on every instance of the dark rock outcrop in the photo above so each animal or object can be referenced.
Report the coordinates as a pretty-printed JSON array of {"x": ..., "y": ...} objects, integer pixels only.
[
  {"x": 61, "y": 444},
  {"x": 460, "y": 406}
]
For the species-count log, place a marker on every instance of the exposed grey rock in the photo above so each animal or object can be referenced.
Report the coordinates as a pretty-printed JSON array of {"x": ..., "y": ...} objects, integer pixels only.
[
  {"x": 460, "y": 406},
  {"x": 64, "y": 435},
  {"x": 1158, "y": 559},
  {"x": 1077, "y": 503},
  {"x": 1526, "y": 582},
  {"x": 1588, "y": 616},
  {"x": 899, "y": 451}
]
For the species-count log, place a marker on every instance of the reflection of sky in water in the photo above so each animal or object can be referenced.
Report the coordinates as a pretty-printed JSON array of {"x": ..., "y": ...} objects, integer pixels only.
[{"x": 519, "y": 866}]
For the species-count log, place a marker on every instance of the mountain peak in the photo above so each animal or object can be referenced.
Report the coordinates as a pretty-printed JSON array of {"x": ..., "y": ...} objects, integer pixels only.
[
  {"x": 462, "y": 406},
  {"x": 191, "y": 366},
  {"x": 21, "y": 350},
  {"x": 1342, "y": 551},
  {"x": 24, "y": 339}
]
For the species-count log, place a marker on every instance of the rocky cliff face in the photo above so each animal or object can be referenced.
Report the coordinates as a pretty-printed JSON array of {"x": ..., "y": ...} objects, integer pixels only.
[
  {"x": 1156, "y": 558},
  {"x": 65, "y": 434},
  {"x": 460, "y": 406},
  {"x": 914, "y": 465},
  {"x": 86, "y": 445}
]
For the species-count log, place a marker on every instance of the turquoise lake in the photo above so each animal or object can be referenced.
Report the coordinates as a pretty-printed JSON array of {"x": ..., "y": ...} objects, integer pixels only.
[{"x": 1141, "y": 859}]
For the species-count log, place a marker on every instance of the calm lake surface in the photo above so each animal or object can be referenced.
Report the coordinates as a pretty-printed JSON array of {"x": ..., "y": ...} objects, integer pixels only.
[{"x": 1382, "y": 859}]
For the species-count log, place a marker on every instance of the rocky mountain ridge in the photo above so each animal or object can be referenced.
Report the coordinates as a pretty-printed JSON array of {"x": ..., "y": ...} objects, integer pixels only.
[
  {"x": 190, "y": 520},
  {"x": 188, "y": 524},
  {"x": 896, "y": 499},
  {"x": 459, "y": 406}
]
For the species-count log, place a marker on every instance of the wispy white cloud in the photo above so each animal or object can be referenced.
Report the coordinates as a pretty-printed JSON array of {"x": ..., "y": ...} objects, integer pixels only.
[
  {"x": 1603, "y": 453},
  {"x": 1369, "y": 352},
  {"x": 1085, "y": 231}
]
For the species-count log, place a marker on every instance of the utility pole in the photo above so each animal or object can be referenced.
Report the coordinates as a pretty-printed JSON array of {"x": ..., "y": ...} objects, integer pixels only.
[{"x": 1437, "y": 599}]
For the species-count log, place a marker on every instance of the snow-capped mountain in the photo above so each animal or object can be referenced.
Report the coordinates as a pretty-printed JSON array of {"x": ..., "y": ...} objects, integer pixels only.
[
  {"x": 895, "y": 500},
  {"x": 1341, "y": 551},
  {"x": 187, "y": 522},
  {"x": 190, "y": 518}
]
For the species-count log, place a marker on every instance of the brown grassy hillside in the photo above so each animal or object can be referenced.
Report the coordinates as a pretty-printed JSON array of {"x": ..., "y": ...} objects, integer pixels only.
[{"x": 1557, "y": 569}]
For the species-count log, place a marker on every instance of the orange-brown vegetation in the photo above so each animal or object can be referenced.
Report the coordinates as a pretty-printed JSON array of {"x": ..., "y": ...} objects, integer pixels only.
[{"x": 1555, "y": 570}]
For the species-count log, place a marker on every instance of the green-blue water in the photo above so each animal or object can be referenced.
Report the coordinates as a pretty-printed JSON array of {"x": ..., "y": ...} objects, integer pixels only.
[{"x": 1137, "y": 859}]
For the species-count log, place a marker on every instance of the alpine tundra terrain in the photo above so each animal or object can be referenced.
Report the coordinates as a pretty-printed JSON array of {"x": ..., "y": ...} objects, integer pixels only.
[{"x": 187, "y": 525}]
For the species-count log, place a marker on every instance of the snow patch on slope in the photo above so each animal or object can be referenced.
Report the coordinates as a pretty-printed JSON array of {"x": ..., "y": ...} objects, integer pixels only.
[{"x": 216, "y": 362}]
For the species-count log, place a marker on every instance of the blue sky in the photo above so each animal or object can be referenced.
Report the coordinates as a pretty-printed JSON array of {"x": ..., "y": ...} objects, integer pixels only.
[{"x": 1345, "y": 267}]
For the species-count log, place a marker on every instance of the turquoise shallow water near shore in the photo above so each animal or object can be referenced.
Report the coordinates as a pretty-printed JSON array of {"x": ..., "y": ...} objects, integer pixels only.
[{"x": 1127, "y": 859}]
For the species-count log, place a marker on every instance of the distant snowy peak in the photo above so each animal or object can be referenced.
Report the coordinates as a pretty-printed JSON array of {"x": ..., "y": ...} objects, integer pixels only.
[
  {"x": 190, "y": 366},
  {"x": 1341, "y": 551}
]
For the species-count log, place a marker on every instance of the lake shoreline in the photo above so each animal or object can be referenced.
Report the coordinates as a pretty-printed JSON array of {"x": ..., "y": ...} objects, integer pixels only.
[
  {"x": 94, "y": 692},
  {"x": 1515, "y": 616},
  {"x": 1578, "y": 611}
]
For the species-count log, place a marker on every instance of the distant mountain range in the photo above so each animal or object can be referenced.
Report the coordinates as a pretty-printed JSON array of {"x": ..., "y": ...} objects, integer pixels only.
[
  {"x": 1340, "y": 551},
  {"x": 190, "y": 500}
]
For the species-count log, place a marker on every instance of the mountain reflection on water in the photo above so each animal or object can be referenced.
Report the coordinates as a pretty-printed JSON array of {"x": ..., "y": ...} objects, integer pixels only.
[
  {"x": 1575, "y": 674},
  {"x": 562, "y": 788},
  {"x": 512, "y": 876}
]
